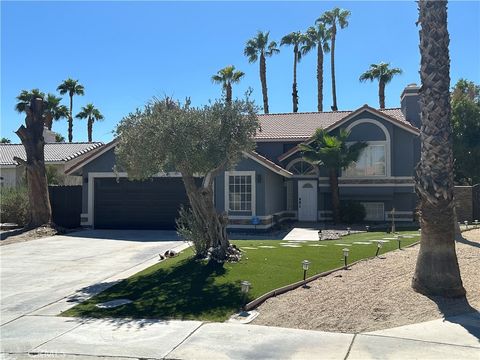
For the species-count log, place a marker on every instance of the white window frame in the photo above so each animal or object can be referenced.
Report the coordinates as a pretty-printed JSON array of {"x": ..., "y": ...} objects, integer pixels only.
[
  {"x": 297, "y": 160},
  {"x": 387, "y": 156},
  {"x": 253, "y": 192},
  {"x": 382, "y": 212},
  {"x": 387, "y": 142}
]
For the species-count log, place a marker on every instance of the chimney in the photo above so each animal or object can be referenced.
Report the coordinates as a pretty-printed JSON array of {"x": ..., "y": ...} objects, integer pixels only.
[{"x": 410, "y": 103}]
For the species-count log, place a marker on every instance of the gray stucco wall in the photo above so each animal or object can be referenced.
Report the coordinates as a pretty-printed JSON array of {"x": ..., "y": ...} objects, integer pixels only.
[{"x": 269, "y": 189}]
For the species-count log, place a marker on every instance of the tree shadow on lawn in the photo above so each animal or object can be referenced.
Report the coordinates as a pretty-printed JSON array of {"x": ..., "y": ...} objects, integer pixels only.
[{"x": 187, "y": 290}]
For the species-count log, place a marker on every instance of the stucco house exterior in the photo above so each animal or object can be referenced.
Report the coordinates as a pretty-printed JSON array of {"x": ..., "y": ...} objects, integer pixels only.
[{"x": 273, "y": 183}]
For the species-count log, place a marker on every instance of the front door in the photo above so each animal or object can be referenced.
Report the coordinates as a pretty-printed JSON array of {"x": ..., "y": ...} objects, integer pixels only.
[{"x": 307, "y": 200}]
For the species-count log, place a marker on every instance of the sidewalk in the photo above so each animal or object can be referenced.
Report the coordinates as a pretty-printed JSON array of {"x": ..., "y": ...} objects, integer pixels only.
[{"x": 73, "y": 338}]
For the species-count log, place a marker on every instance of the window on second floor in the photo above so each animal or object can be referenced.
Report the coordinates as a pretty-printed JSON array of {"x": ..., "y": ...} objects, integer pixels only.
[{"x": 372, "y": 162}]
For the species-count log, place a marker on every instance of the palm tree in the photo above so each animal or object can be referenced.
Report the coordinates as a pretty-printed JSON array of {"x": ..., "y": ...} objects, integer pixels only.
[
  {"x": 53, "y": 110},
  {"x": 226, "y": 77},
  {"x": 333, "y": 153},
  {"x": 92, "y": 114},
  {"x": 72, "y": 87},
  {"x": 259, "y": 47},
  {"x": 295, "y": 39},
  {"x": 384, "y": 75},
  {"x": 317, "y": 36},
  {"x": 437, "y": 271},
  {"x": 332, "y": 18},
  {"x": 25, "y": 97}
]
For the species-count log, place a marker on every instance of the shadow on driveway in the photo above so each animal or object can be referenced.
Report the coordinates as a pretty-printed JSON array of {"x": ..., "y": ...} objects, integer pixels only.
[{"x": 127, "y": 235}]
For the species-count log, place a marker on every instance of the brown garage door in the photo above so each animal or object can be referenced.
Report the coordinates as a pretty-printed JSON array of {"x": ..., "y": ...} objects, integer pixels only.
[{"x": 149, "y": 204}]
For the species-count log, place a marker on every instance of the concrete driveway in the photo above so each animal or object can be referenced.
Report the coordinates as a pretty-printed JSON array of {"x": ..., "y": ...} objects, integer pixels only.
[{"x": 48, "y": 276}]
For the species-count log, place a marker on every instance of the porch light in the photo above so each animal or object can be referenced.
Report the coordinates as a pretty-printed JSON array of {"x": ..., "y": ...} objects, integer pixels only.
[
  {"x": 305, "y": 265},
  {"x": 345, "y": 255},
  {"x": 348, "y": 230},
  {"x": 379, "y": 246}
]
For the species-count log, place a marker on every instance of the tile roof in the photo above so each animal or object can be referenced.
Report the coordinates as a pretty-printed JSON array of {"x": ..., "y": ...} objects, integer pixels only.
[
  {"x": 54, "y": 152},
  {"x": 303, "y": 125}
]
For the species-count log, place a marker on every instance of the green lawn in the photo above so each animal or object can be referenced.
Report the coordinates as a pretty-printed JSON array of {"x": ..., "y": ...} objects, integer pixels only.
[{"x": 182, "y": 288}]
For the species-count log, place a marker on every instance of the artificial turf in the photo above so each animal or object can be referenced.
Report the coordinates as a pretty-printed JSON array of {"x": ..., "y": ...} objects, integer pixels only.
[{"x": 182, "y": 288}]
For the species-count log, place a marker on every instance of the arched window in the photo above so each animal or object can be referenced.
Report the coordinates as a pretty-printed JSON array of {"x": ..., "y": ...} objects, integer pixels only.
[{"x": 301, "y": 167}]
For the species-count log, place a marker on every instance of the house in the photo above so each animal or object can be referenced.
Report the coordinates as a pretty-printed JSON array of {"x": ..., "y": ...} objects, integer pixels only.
[
  {"x": 273, "y": 183},
  {"x": 58, "y": 157}
]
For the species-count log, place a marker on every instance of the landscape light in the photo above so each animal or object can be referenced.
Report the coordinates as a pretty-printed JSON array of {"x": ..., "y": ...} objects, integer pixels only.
[
  {"x": 466, "y": 223},
  {"x": 320, "y": 234},
  {"x": 345, "y": 255},
  {"x": 367, "y": 228},
  {"x": 348, "y": 231},
  {"x": 305, "y": 265},
  {"x": 399, "y": 239},
  {"x": 379, "y": 246},
  {"x": 476, "y": 223},
  {"x": 245, "y": 288}
]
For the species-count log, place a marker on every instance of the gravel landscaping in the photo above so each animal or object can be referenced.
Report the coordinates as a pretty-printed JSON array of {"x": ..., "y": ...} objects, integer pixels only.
[{"x": 374, "y": 294}]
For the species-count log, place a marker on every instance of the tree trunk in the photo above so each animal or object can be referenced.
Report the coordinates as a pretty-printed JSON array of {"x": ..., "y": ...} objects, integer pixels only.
[
  {"x": 90, "y": 129},
  {"x": 294, "y": 85},
  {"x": 263, "y": 80},
  {"x": 332, "y": 66},
  {"x": 437, "y": 271},
  {"x": 40, "y": 212},
  {"x": 320, "y": 77},
  {"x": 381, "y": 94},
  {"x": 332, "y": 174},
  {"x": 228, "y": 93},
  {"x": 48, "y": 121},
  {"x": 201, "y": 201},
  {"x": 70, "y": 120}
]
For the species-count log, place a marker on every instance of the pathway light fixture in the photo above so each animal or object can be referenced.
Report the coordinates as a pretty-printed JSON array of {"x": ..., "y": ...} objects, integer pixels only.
[
  {"x": 348, "y": 230},
  {"x": 379, "y": 246},
  {"x": 345, "y": 255},
  {"x": 466, "y": 224},
  {"x": 245, "y": 289},
  {"x": 305, "y": 265}
]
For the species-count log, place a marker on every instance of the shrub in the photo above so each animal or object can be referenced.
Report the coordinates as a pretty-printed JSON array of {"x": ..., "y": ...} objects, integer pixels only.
[
  {"x": 192, "y": 231},
  {"x": 352, "y": 212},
  {"x": 14, "y": 205}
]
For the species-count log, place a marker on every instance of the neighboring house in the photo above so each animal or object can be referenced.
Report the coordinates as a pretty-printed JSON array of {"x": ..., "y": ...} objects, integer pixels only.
[
  {"x": 273, "y": 183},
  {"x": 58, "y": 157}
]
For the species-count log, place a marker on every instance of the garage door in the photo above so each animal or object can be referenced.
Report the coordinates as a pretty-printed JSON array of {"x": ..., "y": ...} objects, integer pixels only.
[{"x": 150, "y": 204}]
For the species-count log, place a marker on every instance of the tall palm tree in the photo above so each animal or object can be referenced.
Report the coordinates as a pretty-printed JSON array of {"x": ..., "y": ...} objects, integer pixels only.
[
  {"x": 25, "y": 97},
  {"x": 437, "y": 271},
  {"x": 92, "y": 114},
  {"x": 226, "y": 77},
  {"x": 295, "y": 39},
  {"x": 70, "y": 87},
  {"x": 53, "y": 110},
  {"x": 259, "y": 47},
  {"x": 317, "y": 37},
  {"x": 332, "y": 18},
  {"x": 333, "y": 153},
  {"x": 384, "y": 75}
]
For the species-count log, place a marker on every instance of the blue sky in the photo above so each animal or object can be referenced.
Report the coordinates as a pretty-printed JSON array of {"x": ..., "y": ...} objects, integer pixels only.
[{"x": 124, "y": 53}]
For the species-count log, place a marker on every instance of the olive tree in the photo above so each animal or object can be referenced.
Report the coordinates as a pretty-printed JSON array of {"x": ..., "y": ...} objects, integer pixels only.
[{"x": 196, "y": 142}]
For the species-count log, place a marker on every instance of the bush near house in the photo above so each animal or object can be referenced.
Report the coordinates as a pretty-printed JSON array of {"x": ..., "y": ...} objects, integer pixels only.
[
  {"x": 352, "y": 212},
  {"x": 14, "y": 205}
]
